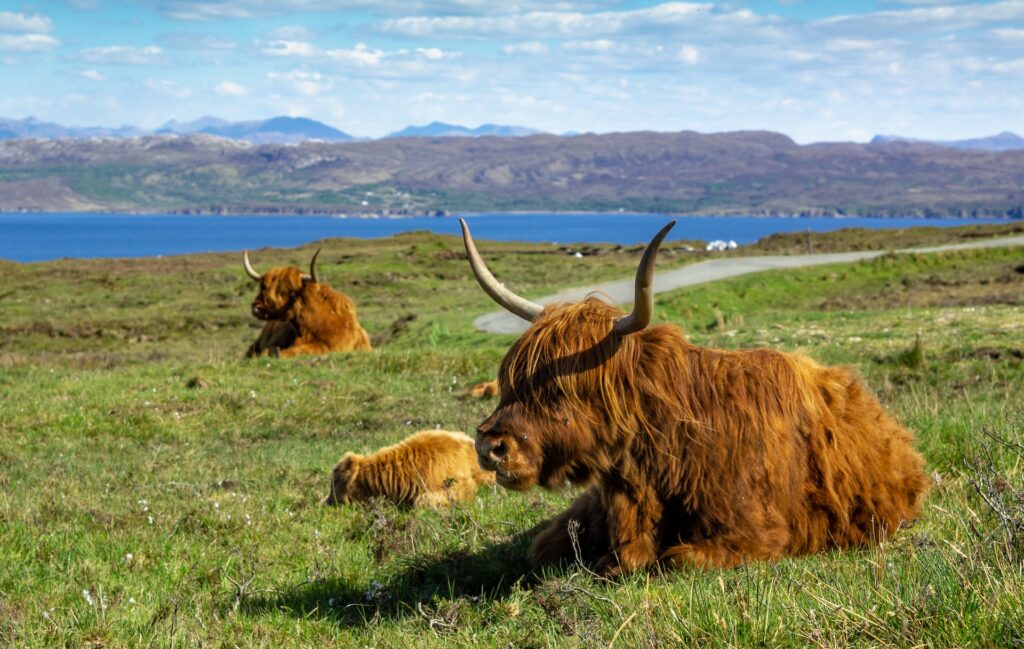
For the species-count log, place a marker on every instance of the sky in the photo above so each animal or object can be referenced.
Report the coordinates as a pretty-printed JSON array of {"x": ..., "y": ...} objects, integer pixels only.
[{"x": 816, "y": 70}]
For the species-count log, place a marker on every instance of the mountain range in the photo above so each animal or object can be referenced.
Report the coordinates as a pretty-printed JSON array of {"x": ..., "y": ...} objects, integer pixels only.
[
  {"x": 440, "y": 129},
  {"x": 276, "y": 130},
  {"x": 292, "y": 130},
  {"x": 1005, "y": 141},
  {"x": 744, "y": 172}
]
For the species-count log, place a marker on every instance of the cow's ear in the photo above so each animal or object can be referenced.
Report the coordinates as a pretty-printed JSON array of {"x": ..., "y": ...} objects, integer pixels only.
[{"x": 348, "y": 467}]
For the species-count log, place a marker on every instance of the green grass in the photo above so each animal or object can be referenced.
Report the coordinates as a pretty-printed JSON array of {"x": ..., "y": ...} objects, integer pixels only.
[{"x": 156, "y": 489}]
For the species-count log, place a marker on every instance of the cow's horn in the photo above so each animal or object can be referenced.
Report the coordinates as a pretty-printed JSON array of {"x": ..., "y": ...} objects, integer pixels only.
[
  {"x": 312, "y": 265},
  {"x": 643, "y": 303},
  {"x": 522, "y": 307},
  {"x": 248, "y": 267}
]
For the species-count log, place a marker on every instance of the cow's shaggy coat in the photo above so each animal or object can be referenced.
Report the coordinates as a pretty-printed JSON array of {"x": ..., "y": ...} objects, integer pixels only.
[
  {"x": 698, "y": 456},
  {"x": 429, "y": 468},
  {"x": 304, "y": 316}
]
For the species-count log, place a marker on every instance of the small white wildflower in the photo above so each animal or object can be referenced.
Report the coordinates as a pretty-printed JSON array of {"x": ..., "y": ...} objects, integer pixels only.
[
  {"x": 216, "y": 505},
  {"x": 316, "y": 533},
  {"x": 88, "y": 597},
  {"x": 150, "y": 519},
  {"x": 46, "y": 615},
  {"x": 128, "y": 557},
  {"x": 252, "y": 394},
  {"x": 248, "y": 521},
  {"x": 131, "y": 600}
]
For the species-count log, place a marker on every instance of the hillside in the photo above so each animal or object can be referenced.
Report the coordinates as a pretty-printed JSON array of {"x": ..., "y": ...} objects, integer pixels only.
[{"x": 728, "y": 173}]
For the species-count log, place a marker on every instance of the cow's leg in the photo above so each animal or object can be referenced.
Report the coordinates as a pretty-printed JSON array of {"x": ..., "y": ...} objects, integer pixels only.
[
  {"x": 276, "y": 334},
  {"x": 633, "y": 517},
  {"x": 580, "y": 533},
  {"x": 305, "y": 349},
  {"x": 712, "y": 553},
  {"x": 485, "y": 389},
  {"x": 433, "y": 499}
]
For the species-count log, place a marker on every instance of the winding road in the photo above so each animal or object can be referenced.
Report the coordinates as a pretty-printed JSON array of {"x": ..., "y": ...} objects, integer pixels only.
[{"x": 503, "y": 322}]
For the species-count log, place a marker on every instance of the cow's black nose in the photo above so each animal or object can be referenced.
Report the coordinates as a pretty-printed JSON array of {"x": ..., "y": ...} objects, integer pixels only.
[{"x": 491, "y": 449}]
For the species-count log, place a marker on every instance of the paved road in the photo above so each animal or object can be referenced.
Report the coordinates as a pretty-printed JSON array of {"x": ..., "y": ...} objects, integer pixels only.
[{"x": 503, "y": 322}]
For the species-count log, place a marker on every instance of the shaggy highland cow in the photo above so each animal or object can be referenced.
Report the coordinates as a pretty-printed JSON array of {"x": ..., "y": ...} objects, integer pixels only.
[
  {"x": 429, "y": 468},
  {"x": 302, "y": 315},
  {"x": 696, "y": 456}
]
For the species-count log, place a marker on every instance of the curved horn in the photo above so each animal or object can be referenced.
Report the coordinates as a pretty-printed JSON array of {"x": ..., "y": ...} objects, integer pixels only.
[
  {"x": 248, "y": 267},
  {"x": 312, "y": 265},
  {"x": 522, "y": 307},
  {"x": 643, "y": 303}
]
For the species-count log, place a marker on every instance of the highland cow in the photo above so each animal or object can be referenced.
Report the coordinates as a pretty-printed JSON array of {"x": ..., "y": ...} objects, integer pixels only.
[
  {"x": 696, "y": 456},
  {"x": 429, "y": 468},
  {"x": 303, "y": 316}
]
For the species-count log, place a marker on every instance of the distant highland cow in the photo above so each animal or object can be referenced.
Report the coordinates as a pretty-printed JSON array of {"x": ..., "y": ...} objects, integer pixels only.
[
  {"x": 429, "y": 468},
  {"x": 696, "y": 456},
  {"x": 302, "y": 315}
]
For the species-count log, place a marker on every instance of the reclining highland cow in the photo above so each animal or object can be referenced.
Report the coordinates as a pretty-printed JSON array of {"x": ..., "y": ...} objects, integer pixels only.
[
  {"x": 302, "y": 315},
  {"x": 430, "y": 468},
  {"x": 696, "y": 456}
]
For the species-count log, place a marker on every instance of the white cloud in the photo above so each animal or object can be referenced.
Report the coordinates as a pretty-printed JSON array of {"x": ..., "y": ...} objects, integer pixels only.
[
  {"x": 194, "y": 41},
  {"x": 562, "y": 23},
  {"x": 219, "y": 9},
  {"x": 961, "y": 16},
  {"x": 292, "y": 33},
  {"x": 309, "y": 84},
  {"x": 689, "y": 54},
  {"x": 850, "y": 45},
  {"x": 12, "y": 22},
  {"x": 359, "y": 54},
  {"x": 289, "y": 48},
  {"x": 169, "y": 88},
  {"x": 600, "y": 45},
  {"x": 231, "y": 89},
  {"x": 435, "y": 54},
  {"x": 370, "y": 63},
  {"x": 123, "y": 55},
  {"x": 533, "y": 48},
  {"x": 1009, "y": 33},
  {"x": 27, "y": 42},
  {"x": 92, "y": 75}
]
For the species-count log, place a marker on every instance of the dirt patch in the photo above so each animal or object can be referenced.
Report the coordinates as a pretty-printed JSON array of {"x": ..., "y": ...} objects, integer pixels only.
[
  {"x": 397, "y": 328},
  {"x": 995, "y": 354}
]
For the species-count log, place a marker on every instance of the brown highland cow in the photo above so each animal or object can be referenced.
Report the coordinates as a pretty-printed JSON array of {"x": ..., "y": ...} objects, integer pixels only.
[
  {"x": 430, "y": 468},
  {"x": 696, "y": 456},
  {"x": 303, "y": 316}
]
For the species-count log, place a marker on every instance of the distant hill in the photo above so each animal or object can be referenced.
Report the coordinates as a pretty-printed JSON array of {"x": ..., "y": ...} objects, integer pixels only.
[
  {"x": 277, "y": 130},
  {"x": 30, "y": 127},
  {"x": 745, "y": 172},
  {"x": 1005, "y": 141},
  {"x": 440, "y": 129}
]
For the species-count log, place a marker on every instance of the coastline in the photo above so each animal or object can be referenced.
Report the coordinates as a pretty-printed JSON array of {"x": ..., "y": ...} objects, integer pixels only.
[{"x": 446, "y": 213}]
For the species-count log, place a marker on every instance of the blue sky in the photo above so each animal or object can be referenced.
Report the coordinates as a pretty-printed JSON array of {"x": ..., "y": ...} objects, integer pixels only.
[{"x": 817, "y": 70}]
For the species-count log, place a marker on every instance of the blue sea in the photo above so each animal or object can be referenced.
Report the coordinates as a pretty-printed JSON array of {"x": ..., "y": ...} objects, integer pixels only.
[{"x": 43, "y": 236}]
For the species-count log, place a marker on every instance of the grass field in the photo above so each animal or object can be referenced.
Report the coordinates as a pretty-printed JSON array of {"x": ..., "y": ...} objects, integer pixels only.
[{"x": 157, "y": 489}]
